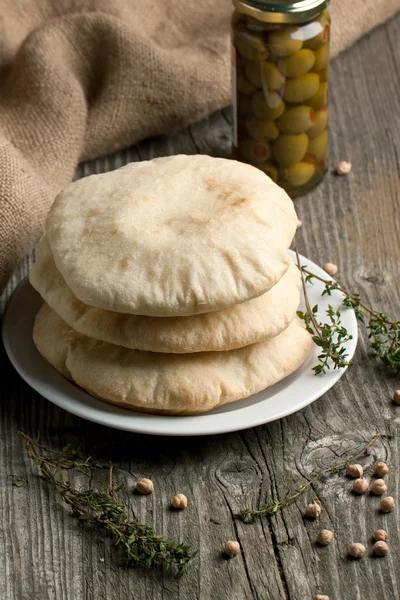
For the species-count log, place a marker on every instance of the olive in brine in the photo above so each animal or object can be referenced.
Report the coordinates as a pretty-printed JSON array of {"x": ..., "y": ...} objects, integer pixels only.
[
  {"x": 255, "y": 151},
  {"x": 286, "y": 41},
  {"x": 250, "y": 46},
  {"x": 263, "y": 111},
  {"x": 321, "y": 58},
  {"x": 300, "y": 63},
  {"x": 253, "y": 73},
  {"x": 296, "y": 120},
  {"x": 299, "y": 174},
  {"x": 270, "y": 170},
  {"x": 272, "y": 77},
  {"x": 301, "y": 88},
  {"x": 318, "y": 146},
  {"x": 320, "y": 123},
  {"x": 243, "y": 85},
  {"x": 290, "y": 149},
  {"x": 244, "y": 105},
  {"x": 260, "y": 129},
  {"x": 319, "y": 100},
  {"x": 316, "y": 33}
]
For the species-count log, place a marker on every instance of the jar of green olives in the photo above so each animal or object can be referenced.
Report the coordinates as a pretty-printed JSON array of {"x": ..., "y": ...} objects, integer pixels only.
[{"x": 280, "y": 62}]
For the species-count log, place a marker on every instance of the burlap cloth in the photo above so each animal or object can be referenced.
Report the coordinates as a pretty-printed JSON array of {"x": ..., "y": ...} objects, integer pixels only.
[{"x": 81, "y": 78}]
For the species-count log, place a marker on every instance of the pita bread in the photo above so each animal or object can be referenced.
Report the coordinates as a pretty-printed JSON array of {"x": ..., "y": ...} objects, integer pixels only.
[
  {"x": 173, "y": 236},
  {"x": 227, "y": 329},
  {"x": 167, "y": 383}
]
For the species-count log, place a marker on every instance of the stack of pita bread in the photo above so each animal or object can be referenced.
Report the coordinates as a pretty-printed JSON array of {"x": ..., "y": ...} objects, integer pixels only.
[{"x": 168, "y": 286}]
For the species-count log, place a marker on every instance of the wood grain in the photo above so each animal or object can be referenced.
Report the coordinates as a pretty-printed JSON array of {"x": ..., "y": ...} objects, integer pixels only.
[{"x": 353, "y": 221}]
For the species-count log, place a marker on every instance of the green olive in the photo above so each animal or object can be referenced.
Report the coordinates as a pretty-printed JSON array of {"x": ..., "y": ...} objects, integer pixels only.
[
  {"x": 296, "y": 120},
  {"x": 316, "y": 33},
  {"x": 270, "y": 170},
  {"x": 321, "y": 58},
  {"x": 299, "y": 174},
  {"x": 286, "y": 41},
  {"x": 290, "y": 149},
  {"x": 262, "y": 110},
  {"x": 255, "y": 151},
  {"x": 301, "y": 88},
  {"x": 259, "y": 130},
  {"x": 320, "y": 123},
  {"x": 250, "y": 46},
  {"x": 243, "y": 85},
  {"x": 244, "y": 105},
  {"x": 323, "y": 75},
  {"x": 318, "y": 146},
  {"x": 253, "y": 73},
  {"x": 300, "y": 63},
  {"x": 320, "y": 99},
  {"x": 272, "y": 76},
  {"x": 272, "y": 98}
]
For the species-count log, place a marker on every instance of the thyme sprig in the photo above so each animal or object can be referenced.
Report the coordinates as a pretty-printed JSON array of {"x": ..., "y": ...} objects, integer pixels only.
[
  {"x": 141, "y": 546},
  {"x": 249, "y": 515},
  {"x": 383, "y": 334},
  {"x": 330, "y": 337}
]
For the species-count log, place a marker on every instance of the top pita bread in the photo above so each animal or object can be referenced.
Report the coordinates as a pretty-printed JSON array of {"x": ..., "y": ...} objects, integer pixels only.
[{"x": 179, "y": 235}]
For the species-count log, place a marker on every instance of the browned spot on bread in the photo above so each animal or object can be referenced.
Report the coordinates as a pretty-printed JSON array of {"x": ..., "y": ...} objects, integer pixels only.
[
  {"x": 211, "y": 184},
  {"x": 93, "y": 212},
  {"x": 116, "y": 231},
  {"x": 125, "y": 262},
  {"x": 240, "y": 201}
]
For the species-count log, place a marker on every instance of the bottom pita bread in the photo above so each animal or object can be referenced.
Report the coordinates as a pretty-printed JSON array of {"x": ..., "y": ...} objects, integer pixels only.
[{"x": 167, "y": 383}]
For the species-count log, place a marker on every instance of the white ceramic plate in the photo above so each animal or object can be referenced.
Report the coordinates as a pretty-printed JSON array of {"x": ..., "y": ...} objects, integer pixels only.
[{"x": 286, "y": 397}]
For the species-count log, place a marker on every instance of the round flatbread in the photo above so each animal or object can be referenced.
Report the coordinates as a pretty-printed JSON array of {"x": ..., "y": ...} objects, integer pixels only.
[
  {"x": 167, "y": 383},
  {"x": 247, "y": 323},
  {"x": 179, "y": 235}
]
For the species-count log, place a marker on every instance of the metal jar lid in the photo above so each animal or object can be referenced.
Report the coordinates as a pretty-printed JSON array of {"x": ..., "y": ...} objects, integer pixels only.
[{"x": 281, "y": 11}]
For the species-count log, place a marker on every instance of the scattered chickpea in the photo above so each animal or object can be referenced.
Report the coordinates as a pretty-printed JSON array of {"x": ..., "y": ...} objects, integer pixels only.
[
  {"x": 360, "y": 486},
  {"x": 330, "y": 268},
  {"x": 231, "y": 548},
  {"x": 378, "y": 487},
  {"x": 321, "y": 597},
  {"x": 313, "y": 510},
  {"x": 380, "y": 548},
  {"x": 396, "y": 396},
  {"x": 380, "y": 535},
  {"x": 381, "y": 469},
  {"x": 387, "y": 504},
  {"x": 343, "y": 168},
  {"x": 145, "y": 486},
  {"x": 324, "y": 537},
  {"x": 179, "y": 501},
  {"x": 357, "y": 550},
  {"x": 354, "y": 471}
]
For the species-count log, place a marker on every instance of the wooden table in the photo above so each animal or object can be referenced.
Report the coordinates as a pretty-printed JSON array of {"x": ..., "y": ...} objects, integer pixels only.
[{"x": 354, "y": 221}]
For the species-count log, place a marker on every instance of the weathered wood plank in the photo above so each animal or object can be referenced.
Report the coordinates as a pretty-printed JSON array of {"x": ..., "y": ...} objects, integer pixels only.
[{"x": 353, "y": 221}]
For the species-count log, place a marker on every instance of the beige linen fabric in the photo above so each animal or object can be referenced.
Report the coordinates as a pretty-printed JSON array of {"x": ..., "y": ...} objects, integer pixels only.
[
  {"x": 231, "y": 328},
  {"x": 168, "y": 383},
  {"x": 81, "y": 78},
  {"x": 178, "y": 235}
]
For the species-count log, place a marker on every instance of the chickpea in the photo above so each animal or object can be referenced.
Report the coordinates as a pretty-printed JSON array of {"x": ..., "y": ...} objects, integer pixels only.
[
  {"x": 285, "y": 42},
  {"x": 300, "y": 63},
  {"x": 243, "y": 85},
  {"x": 290, "y": 149},
  {"x": 301, "y": 88},
  {"x": 250, "y": 46},
  {"x": 318, "y": 146},
  {"x": 270, "y": 170},
  {"x": 296, "y": 120},
  {"x": 299, "y": 174},
  {"x": 321, "y": 58},
  {"x": 263, "y": 111},
  {"x": 319, "y": 99},
  {"x": 272, "y": 76},
  {"x": 253, "y": 73},
  {"x": 255, "y": 151},
  {"x": 320, "y": 123}
]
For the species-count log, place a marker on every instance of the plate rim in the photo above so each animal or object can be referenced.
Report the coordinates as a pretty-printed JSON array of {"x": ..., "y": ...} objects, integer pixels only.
[{"x": 149, "y": 424}]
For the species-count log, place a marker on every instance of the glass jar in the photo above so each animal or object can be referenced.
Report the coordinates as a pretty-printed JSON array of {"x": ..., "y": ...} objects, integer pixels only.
[{"x": 280, "y": 65}]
